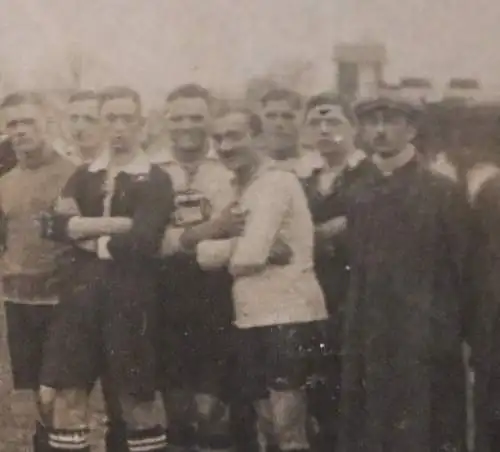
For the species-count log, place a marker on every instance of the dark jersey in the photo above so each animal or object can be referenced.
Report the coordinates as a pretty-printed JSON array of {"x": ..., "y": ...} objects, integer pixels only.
[{"x": 332, "y": 268}]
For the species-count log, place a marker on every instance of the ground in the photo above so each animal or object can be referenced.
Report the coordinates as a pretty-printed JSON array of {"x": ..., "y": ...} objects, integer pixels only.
[
  {"x": 17, "y": 416},
  {"x": 16, "y": 409}
]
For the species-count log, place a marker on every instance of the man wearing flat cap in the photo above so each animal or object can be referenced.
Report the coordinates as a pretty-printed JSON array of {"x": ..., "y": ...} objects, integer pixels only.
[{"x": 403, "y": 386}]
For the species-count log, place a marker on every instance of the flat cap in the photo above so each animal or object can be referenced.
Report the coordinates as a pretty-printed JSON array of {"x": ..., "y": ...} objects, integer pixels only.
[{"x": 390, "y": 102}]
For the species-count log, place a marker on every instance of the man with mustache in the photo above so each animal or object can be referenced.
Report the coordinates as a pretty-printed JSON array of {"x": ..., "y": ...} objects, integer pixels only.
[
  {"x": 277, "y": 305},
  {"x": 106, "y": 321},
  {"x": 403, "y": 377},
  {"x": 332, "y": 128},
  {"x": 31, "y": 265},
  {"x": 196, "y": 305}
]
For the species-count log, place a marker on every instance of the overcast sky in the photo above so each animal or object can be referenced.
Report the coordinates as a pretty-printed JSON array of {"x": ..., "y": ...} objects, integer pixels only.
[{"x": 156, "y": 44}]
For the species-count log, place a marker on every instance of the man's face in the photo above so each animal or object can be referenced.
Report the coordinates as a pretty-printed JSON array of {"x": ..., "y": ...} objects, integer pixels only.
[
  {"x": 330, "y": 130},
  {"x": 84, "y": 124},
  {"x": 386, "y": 132},
  {"x": 25, "y": 126},
  {"x": 188, "y": 121},
  {"x": 233, "y": 141},
  {"x": 123, "y": 123},
  {"x": 280, "y": 125}
]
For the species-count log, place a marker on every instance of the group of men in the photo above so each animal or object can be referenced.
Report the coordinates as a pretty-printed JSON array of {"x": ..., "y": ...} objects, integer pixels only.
[{"x": 278, "y": 300}]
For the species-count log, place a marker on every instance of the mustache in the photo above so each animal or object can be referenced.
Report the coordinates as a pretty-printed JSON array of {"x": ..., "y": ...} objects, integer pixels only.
[{"x": 380, "y": 139}]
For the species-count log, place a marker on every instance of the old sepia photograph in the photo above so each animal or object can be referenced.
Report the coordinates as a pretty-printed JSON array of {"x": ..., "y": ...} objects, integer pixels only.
[{"x": 249, "y": 226}]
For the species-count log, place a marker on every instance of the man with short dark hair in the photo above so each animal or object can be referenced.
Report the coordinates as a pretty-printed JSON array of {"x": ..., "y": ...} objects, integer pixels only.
[
  {"x": 106, "y": 320},
  {"x": 277, "y": 303},
  {"x": 196, "y": 305},
  {"x": 403, "y": 376},
  {"x": 339, "y": 169},
  {"x": 280, "y": 109},
  {"x": 31, "y": 265}
]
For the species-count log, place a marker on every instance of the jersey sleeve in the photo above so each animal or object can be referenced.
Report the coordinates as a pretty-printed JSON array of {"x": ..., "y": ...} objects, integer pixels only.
[
  {"x": 54, "y": 224},
  {"x": 267, "y": 211}
]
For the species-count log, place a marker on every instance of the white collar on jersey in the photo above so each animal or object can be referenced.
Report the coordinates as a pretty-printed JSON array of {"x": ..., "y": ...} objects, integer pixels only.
[
  {"x": 140, "y": 164},
  {"x": 313, "y": 161},
  {"x": 166, "y": 156}
]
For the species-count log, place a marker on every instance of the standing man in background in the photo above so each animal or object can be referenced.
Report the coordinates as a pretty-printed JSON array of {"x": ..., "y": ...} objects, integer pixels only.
[
  {"x": 30, "y": 265},
  {"x": 280, "y": 111},
  {"x": 341, "y": 167},
  {"x": 86, "y": 130}
]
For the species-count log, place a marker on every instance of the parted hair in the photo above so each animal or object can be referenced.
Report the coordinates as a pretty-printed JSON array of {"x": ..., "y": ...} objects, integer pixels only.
[
  {"x": 82, "y": 95},
  {"x": 254, "y": 121},
  {"x": 190, "y": 91},
  {"x": 21, "y": 98},
  {"x": 282, "y": 94},
  {"x": 328, "y": 98},
  {"x": 120, "y": 92}
]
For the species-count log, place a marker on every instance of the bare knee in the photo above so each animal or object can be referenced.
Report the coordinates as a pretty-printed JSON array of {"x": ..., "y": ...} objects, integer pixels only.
[
  {"x": 180, "y": 406},
  {"x": 70, "y": 409},
  {"x": 139, "y": 414},
  {"x": 212, "y": 415}
]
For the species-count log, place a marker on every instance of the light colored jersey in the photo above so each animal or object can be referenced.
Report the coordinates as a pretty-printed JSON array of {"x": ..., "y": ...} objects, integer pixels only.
[
  {"x": 272, "y": 295},
  {"x": 202, "y": 189}
]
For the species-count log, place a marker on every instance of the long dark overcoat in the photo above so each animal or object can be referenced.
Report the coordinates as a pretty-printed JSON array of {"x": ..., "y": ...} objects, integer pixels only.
[{"x": 403, "y": 380}]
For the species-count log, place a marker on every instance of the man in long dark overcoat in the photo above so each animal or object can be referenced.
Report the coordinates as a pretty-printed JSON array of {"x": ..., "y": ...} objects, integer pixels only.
[{"x": 403, "y": 378}]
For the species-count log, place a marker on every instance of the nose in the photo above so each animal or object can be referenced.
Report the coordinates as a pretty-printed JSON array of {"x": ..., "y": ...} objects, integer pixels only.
[
  {"x": 79, "y": 124},
  {"x": 20, "y": 131},
  {"x": 184, "y": 124},
  {"x": 380, "y": 127},
  {"x": 225, "y": 145},
  {"x": 119, "y": 125},
  {"x": 324, "y": 128}
]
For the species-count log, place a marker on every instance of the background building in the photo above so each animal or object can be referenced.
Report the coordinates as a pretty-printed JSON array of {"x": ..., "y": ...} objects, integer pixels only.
[{"x": 359, "y": 68}]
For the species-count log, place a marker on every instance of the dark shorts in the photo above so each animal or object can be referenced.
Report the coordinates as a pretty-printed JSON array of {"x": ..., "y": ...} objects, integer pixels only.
[
  {"x": 279, "y": 357},
  {"x": 105, "y": 325},
  {"x": 196, "y": 331},
  {"x": 27, "y": 332},
  {"x": 195, "y": 357}
]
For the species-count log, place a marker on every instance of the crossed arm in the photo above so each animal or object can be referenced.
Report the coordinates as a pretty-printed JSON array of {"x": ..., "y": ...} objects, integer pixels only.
[
  {"x": 252, "y": 251},
  {"x": 113, "y": 237}
]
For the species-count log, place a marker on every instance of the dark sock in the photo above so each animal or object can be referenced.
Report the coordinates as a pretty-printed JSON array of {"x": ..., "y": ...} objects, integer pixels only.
[
  {"x": 272, "y": 448},
  {"x": 296, "y": 450},
  {"x": 66, "y": 440},
  {"x": 495, "y": 436},
  {"x": 181, "y": 436},
  {"x": 116, "y": 437},
  {"x": 40, "y": 438},
  {"x": 150, "y": 440},
  {"x": 215, "y": 442}
]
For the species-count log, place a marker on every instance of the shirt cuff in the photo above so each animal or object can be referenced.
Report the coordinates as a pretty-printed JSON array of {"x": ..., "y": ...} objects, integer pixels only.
[
  {"x": 171, "y": 243},
  {"x": 102, "y": 248},
  {"x": 214, "y": 254}
]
